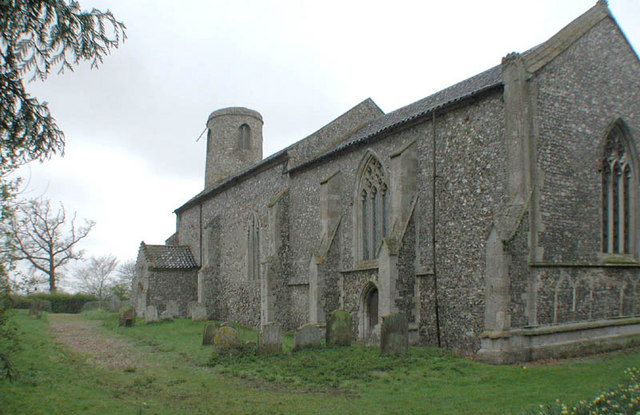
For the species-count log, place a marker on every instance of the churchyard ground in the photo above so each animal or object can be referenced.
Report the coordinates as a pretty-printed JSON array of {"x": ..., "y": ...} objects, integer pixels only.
[{"x": 85, "y": 364}]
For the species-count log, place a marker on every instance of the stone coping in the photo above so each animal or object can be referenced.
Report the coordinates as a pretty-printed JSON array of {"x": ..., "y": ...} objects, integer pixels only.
[
  {"x": 563, "y": 328},
  {"x": 236, "y": 111}
]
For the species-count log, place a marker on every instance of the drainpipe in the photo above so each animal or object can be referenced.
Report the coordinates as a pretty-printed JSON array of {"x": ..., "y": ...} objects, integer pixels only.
[{"x": 433, "y": 230}]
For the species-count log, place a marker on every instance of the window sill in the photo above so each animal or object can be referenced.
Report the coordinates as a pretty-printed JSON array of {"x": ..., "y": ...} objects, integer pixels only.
[
  {"x": 618, "y": 259},
  {"x": 366, "y": 265}
]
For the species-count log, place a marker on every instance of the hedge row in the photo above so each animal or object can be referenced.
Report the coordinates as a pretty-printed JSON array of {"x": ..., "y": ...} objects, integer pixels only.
[{"x": 60, "y": 303}]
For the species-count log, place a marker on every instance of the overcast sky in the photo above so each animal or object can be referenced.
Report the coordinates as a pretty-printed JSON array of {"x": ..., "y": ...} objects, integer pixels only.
[{"x": 131, "y": 126}]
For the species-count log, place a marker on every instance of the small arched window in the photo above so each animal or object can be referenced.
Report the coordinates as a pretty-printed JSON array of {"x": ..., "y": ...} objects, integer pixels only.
[
  {"x": 253, "y": 248},
  {"x": 244, "y": 137},
  {"x": 373, "y": 204},
  {"x": 617, "y": 195}
]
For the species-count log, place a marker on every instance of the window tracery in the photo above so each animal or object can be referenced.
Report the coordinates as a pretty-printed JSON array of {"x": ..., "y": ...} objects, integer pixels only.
[
  {"x": 616, "y": 195},
  {"x": 374, "y": 208}
]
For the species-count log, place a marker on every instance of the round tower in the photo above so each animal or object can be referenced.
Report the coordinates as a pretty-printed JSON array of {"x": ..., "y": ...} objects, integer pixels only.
[{"x": 234, "y": 142}]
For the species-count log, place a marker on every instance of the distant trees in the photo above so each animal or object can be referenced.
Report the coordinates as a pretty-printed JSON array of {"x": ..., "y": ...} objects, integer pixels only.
[
  {"x": 96, "y": 276},
  {"x": 36, "y": 37},
  {"x": 45, "y": 238},
  {"x": 125, "y": 273}
]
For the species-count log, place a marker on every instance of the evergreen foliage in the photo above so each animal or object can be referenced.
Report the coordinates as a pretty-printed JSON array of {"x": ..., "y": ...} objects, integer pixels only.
[{"x": 35, "y": 38}]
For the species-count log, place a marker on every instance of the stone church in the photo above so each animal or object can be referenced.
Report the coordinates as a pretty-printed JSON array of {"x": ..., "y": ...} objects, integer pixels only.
[{"x": 500, "y": 215}]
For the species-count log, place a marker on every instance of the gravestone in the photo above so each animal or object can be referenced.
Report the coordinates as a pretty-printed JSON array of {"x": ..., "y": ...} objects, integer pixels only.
[
  {"x": 166, "y": 316},
  {"x": 394, "y": 334},
  {"x": 209, "y": 334},
  {"x": 339, "y": 328},
  {"x": 151, "y": 314},
  {"x": 172, "y": 309},
  {"x": 270, "y": 339},
  {"x": 114, "y": 303},
  {"x": 308, "y": 336},
  {"x": 226, "y": 338},
  {"x": 127, "y": 316},
  {"x": 197, "y": 311}
]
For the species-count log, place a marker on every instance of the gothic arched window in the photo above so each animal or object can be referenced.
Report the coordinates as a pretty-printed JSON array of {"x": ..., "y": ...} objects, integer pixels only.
[
  {"x": 617, "y": 192},
  {"x": 244, "y": 136},
  {"x": 253, "y": 248},
  {"x": 373, "y": 204}
]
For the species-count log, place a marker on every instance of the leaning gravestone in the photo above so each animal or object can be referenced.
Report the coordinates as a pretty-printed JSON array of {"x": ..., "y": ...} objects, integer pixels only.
[
  {"x": 308, "y": 336},
  {"x": 394, "y": 334},
  {"x": 127, "y": 316},
  {"x": 197, "y": 311},
  {"x": 339, "y": 328},
  {"x": 209, "y": 334},
  {"x": 270, "y": 339},
  {"x": 151, "y": 314}
]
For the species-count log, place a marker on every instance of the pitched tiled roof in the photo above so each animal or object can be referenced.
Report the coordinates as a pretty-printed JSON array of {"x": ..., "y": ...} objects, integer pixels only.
[
  {"x": 535, "y": 58},
  {"x": 169, "y": 256},
  {"x": 475, "y": 85}
]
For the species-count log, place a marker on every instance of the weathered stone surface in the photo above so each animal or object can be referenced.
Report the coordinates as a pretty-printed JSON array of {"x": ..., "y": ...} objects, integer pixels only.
[
  {"x": 308, "y": 336},
  {"x": 164, "y": 273},
  {"x": 166, "y": 316},
  {"x": 113, "y": 303},
  {"x": 209, "y": 333},
  {"x": 394, "y": 334},
  {"x": 504, "y": 170},
  {"x": 127, "y": 317},
  {"x": 339, "y": 330},
  {"x": 197, "y": 311},
  {"x": 172, "y": 309},
  {"x": 226, "y": 338},
  {"x": 270, "y": 339},
  {"x": 151, "y": 314}
]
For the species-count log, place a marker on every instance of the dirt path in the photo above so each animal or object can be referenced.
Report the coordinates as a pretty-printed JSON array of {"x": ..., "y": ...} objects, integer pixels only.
[{"x": 84, "y": 337}]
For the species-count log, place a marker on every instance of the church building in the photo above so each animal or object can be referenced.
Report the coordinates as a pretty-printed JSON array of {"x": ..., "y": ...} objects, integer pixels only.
[{"x": 499, "y": 215}]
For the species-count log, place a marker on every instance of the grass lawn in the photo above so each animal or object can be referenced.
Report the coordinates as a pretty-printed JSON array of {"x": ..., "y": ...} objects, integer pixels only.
[{"x": 181, "y": 377}]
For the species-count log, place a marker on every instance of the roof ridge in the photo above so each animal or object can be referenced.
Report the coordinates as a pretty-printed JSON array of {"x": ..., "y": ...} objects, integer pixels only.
[{"x": 539, "y": 56}]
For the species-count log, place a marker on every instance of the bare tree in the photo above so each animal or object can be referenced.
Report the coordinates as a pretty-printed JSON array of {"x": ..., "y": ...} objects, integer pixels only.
[
  {"x": 97, "y": 277},
  {"x": 45, "y": 238},
  {"x": 125, "y": 273}
]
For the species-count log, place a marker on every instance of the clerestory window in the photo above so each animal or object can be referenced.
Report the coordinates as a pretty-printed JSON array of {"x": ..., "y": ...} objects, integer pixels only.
[
  {"x": 617, "y": 192},
  {"x": 373, "y": 205}
]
